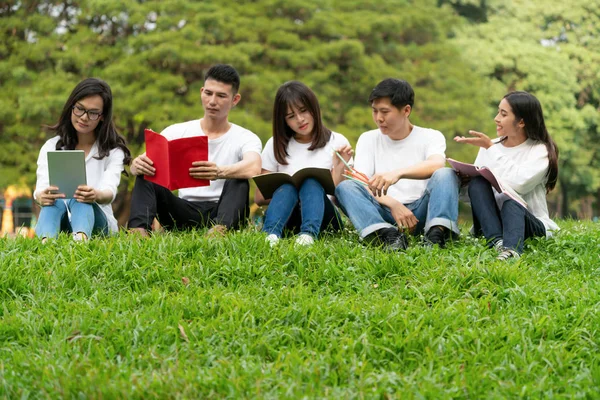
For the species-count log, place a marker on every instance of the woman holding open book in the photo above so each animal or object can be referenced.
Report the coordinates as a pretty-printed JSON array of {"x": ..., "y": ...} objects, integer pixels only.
[
  {"x": 524, "y": 159},
  {"x": 85, "y": 124},
  {"x": 301, "y": 140}
]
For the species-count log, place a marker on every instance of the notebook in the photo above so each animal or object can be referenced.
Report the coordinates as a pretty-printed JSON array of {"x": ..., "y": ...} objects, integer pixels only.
[
  {"x": 173, "y": 159},
  {"x": 268, "y": 183}
]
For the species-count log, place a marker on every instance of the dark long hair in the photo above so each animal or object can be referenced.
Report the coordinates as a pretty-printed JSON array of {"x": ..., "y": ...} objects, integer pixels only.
[
  {"x": 294, "y": 93},
  {"x": 106, "y": 133},
  {"x": 527, "y": 107}
]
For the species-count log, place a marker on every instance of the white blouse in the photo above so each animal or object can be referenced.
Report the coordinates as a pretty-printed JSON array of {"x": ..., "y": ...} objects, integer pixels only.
[
  {"x": 100, "y": 174},
  {"x": 523, "y": 168}
]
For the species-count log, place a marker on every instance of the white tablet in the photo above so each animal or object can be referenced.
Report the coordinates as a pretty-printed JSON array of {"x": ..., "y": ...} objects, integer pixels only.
[{"x": 66, "y": 170}]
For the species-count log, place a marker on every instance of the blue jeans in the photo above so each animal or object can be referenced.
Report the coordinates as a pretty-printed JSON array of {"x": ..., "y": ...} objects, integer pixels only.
[
  {"x": 437, "y": 206},
  {"x": 86, "y": 218},
  {"x": 314, "y": 213},
  {"x": 513, "y": 223}
]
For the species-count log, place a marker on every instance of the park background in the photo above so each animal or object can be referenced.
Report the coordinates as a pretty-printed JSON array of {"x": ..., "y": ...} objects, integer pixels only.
[
  {"x": 180, "y": 315},
  {"x": 461, "y": 56}
]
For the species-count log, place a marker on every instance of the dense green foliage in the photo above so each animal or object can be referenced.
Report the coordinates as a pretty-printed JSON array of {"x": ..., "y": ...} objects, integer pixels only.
[
  {"x": 182, "y": 316},
  {"x": 461, "y": 56},
  {"x": 551, "y": 49}
]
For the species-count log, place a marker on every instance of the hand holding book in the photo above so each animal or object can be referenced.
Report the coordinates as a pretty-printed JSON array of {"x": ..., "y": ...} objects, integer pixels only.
[
  {"x": 473, "y": 170},
  {"x": 269, "y": 182},
  {"x": 173, "y": 161},
  {"x": 142, "y": 165},
  {"x": 205, "y": 170}
]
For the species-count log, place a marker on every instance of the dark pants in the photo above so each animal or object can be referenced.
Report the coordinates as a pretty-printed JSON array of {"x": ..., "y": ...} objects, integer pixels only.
[
  {"x": 150, "y": 201},
  {"x": 513, "y": 224}
]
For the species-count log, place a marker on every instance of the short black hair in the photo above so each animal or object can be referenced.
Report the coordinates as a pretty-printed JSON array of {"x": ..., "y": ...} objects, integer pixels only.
[
  {"x": 399, "y": 91},
  {"x": 224, "y": 73}
]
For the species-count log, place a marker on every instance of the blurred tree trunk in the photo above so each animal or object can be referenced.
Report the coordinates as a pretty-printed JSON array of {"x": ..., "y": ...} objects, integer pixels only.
[{"x": 586, "y": 210}]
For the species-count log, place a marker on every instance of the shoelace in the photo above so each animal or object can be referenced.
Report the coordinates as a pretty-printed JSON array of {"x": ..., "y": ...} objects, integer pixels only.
[{"x": 499, "y": 246}]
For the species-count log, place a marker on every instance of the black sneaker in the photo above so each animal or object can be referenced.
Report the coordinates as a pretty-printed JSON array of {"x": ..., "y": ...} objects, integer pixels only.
[
  {"x": 507, "y": 254},
  {"x": 435, "y": 235},
  {"x": 390, "y": 239}
]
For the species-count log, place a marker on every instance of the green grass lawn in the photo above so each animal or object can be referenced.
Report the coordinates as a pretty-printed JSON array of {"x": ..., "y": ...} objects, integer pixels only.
[{"x": 182, "y": 316}]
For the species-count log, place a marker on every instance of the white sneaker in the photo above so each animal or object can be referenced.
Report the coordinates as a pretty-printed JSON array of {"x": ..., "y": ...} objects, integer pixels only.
[
  {"x": 80, "y": 237},
  {"x": 304, "y": 239},
  {"x": 272, "y": 239}
]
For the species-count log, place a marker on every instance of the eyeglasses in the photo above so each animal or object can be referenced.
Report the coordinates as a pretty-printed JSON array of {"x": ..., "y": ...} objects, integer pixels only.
[{"x": 92, "y": 115}]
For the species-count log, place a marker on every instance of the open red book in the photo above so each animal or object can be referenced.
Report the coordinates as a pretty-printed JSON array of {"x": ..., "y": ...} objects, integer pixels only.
[
  {"x": 173, "y": 159},
  {"x": 473, "y": 170}
]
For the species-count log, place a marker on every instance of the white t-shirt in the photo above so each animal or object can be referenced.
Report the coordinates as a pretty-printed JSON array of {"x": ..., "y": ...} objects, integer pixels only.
[
  {"x": 225, "y": 150},
  {"x": 300, "y": 157},
  {"x": 100, "y": 174},
  {"x": 523, "y": 168},
  {"x": 377, "y": 153}
]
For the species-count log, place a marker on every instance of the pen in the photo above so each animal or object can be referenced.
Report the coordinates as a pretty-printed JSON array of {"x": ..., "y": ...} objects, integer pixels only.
[
  {"x": 356, "y": 180},
  {"x": 350, "y": 168}
]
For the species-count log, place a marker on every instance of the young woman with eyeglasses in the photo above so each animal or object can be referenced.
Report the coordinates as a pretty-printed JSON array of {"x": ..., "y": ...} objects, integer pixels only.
[{"x": 86, "y": 123}]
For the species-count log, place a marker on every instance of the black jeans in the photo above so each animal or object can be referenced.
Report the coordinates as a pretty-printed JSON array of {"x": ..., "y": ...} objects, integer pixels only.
[
  {"x": 513, "y": 224},
  {"x": 149, "y": 201}
]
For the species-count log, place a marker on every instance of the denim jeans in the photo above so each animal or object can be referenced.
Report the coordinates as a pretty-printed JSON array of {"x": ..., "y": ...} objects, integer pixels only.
[
  {"x": 85, "y": 217},
  {"x": 314, "y": 213},
  {"x": 437, "y": 206},
  {"x": 513, "y": 223}
]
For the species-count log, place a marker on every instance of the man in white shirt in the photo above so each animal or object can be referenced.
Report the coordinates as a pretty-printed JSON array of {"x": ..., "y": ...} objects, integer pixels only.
[
  {"x": 408, "y": 187},
  {"x": 234, "y": 157}
]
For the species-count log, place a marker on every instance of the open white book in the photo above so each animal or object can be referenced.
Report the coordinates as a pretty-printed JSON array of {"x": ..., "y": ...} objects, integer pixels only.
[{"x": 473, "y": 170}]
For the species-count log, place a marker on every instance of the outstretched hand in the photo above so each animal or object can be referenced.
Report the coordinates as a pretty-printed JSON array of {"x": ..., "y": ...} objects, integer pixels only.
[{"x": 479, "y": 139}]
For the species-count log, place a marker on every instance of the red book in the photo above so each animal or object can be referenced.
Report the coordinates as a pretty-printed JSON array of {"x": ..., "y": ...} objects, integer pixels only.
[{"x": 173, "y": 159}]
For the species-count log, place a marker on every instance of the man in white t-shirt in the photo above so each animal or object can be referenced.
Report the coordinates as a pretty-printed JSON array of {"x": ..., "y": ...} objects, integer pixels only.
[
  {"x": 234, "y": 157},
  {"x": 408, "y": 188}
]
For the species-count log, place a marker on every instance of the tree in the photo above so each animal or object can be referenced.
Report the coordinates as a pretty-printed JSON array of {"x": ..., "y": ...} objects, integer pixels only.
[
  {"x": 549, "y": 49},
  {"x": 154, "y": 55}
]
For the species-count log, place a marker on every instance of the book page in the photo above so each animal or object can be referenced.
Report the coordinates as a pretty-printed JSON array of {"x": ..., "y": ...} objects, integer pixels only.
[
  {"x": 173, "y": 159},
  {"x": 322, "y": 175},
  {"x": 157, "y": 151},
  {"x": 268, "y": 183},
  {"x": 472, "y": 170},
  {"x": 182, "y": 153}
]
